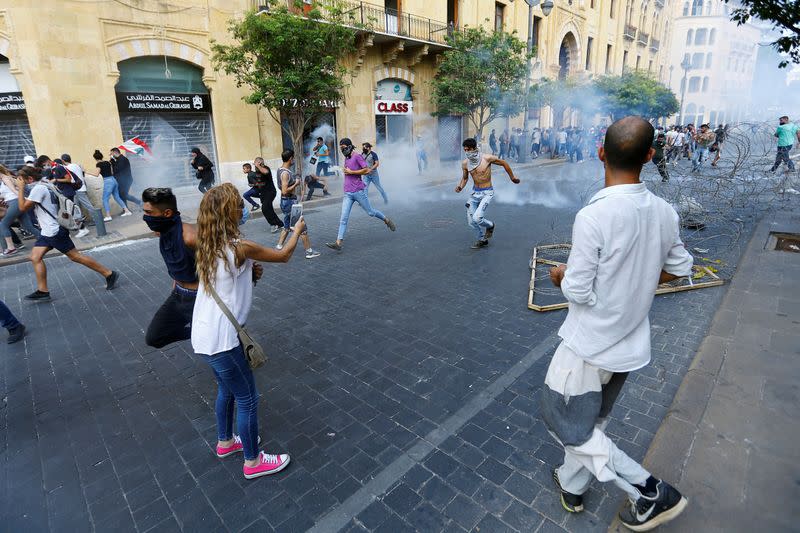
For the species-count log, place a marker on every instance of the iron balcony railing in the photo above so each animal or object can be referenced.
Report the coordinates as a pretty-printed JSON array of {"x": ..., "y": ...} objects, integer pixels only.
[
  {"x": 655, "y": 44},
  {"x": 629, "y": 32},
  {"x": 643, "y": 38},
  {"x": 379, "y": 19}
]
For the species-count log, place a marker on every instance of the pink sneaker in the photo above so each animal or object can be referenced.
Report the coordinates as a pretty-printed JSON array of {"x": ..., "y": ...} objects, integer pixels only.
[
  {"x": 236, "y": 447},
  {"x": 267, "y": 464}
]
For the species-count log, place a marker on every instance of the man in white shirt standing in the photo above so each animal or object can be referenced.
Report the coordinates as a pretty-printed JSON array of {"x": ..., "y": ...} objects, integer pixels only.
[
  {"x": 624, "y": 243},
  {"x": 41, "y": 198}
]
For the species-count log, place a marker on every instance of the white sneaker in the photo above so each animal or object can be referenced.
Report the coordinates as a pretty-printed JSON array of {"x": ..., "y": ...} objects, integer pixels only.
[
  {"x": 275, "y": 229},
  {"x": 82, "y": 233},
  {"x": 126, "y": 213},
  {"x": 279, "y": 247},
  {"x": 311, "y": 253},
  {"x": 107, "y": 219}
]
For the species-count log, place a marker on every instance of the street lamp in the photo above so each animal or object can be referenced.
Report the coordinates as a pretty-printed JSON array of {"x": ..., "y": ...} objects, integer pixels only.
[
  {"x": 547, "y": 7},
  {"x": 686, "y": 66}
]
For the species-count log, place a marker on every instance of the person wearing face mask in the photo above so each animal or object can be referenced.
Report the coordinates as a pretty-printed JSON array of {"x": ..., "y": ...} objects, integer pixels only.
[
  {"x": 354, "y": 192},
  {"x": 373, "y": 163},
  {"x": 479, "y": 166},
  {"x": 203, "y": 166}
]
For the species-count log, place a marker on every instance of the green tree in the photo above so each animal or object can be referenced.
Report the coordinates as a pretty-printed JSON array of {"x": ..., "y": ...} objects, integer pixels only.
[
  {"x": 785, "y": 18},
  {"x": 481, "y": 77},
  {"x": 290, "y": 61},
  {"x": 635, "y": 93}
]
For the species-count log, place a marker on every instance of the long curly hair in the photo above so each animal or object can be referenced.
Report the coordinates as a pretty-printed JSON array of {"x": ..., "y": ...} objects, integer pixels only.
[{"x": 218, "y": 229}]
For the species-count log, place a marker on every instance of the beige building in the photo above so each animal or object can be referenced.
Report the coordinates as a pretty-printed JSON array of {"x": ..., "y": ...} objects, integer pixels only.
[
  {"x": 77, "y": 75},
  {"x": 721, "y": 60}
]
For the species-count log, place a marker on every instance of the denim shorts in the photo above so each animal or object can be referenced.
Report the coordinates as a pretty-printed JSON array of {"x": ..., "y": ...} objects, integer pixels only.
[
  {"x": 60, "y": 241},
  {"x": 286, "y": 209}
]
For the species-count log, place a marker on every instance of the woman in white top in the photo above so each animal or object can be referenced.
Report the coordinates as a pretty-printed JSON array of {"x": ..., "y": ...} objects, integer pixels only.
[
  {"x": 225, "y": 262},
  {"x": 8, "y": 192}
]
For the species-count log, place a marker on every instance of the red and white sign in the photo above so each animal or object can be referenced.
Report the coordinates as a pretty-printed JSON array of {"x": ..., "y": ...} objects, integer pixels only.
[{"x": 393, "y": 107}]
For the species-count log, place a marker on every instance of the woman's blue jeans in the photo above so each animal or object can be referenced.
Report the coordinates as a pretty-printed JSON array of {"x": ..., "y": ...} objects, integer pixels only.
[
  {"x": 235, "y": 385},
  {"x": 13, "y": 214},
  {"x": 7, "y": 318},
  {"x": 111, "y": 188},
  {"x": 361, "y": 199}
]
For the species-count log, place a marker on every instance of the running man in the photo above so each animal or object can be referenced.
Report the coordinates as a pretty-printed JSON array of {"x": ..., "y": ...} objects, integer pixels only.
[
  {"x": 479, "y": 166},
  {"x": 787, "y": 133},
  {"x": 43, "y": 200},
  {"x": 290, "y": 187},
  {"x": 355, "y": 191},
  {"x": 624, "y": 243}
]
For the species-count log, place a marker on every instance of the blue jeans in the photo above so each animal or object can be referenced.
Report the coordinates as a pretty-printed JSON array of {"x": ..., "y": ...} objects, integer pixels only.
[
  {"x": 476, "y": 207},
  {"x": 376, "y": 179},
  {"x": 111, "y": 188},
  {"x": 783, "y": 157},
  {"x": 235, "y": 384},
  {"x": 125, "y": 190},
  {"x": 322, "y": 169},
  {"x": 7, "y": 318},
  {"x": 250, "y": 194},
  {"x": 349, "y": 199},
  {"x": 700, "y": 155},
  {"x": 13, "y": 214}
]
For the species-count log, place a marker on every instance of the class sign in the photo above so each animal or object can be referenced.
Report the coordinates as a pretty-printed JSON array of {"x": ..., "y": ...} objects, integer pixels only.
[{"x": 393, "y": 107}]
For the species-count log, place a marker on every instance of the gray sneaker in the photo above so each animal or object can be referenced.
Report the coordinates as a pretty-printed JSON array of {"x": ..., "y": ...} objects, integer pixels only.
[
  {"x": 311, "y": 253},
  {"x": 479, "y": 244}
]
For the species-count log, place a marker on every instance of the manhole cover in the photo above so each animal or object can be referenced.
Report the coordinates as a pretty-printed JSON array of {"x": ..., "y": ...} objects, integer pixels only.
[
  {"x": 441, "y": 223},
  {"x": 784, "y": 242}
]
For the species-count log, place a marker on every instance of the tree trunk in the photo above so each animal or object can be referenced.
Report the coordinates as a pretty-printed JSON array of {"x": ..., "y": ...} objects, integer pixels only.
[{"x": 296, "y": 125}]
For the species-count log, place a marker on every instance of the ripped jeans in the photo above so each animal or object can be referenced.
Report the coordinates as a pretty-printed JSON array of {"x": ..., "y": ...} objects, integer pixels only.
[{"x": 479, "y": 200}]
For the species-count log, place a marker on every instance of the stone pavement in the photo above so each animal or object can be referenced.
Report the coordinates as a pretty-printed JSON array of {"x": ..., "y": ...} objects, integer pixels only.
[
  {"x": 729, "y": 441},
  {"x": 403, "y": 380}
]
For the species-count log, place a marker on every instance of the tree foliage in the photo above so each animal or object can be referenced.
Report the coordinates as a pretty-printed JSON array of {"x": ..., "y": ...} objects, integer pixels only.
[
  {"x": 785, "y": 18},
  {"x": 559, "y": 94},
  {"x": 481, "y": 77},
  {"x": 635, "y": 93},
  {"x": 290, "y": 61}
]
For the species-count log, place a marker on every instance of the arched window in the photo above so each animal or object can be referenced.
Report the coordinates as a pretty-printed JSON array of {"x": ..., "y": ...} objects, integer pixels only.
[
  {"x": 712, "y": 36},
  {"x": 697, "y": 8},
  {"x": 686, "y": 9},
  {"x": 689, "y": 37},
  {"x": 708, "y": 60},
  {"x": 697, "y": 60},
  {"x": 700, "y": 36},
  {"x": 705, "y": 84},
  {"x": 694, "y": 84}
]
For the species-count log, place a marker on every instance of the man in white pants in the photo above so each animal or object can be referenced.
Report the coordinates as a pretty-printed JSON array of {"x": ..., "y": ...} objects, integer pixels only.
[{"x": 624, "y": 243}]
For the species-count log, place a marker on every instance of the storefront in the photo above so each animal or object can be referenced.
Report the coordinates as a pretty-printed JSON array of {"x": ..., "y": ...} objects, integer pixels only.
[
  {"x": 169, "y": 108},
  {"x": 394, "y": 112},
  {"x": 16, "y": 140}
]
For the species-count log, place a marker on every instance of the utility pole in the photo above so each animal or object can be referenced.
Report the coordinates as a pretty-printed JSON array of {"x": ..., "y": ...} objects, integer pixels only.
[
  {"x": 525, "y": 148},
  {"x": 686, "y": 65}
]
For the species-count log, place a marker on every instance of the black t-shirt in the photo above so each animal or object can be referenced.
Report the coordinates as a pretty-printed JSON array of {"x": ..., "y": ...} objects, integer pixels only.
[
  {"x": 122, "y": 167},
  {"x": 105, "y": 168},
  {"x": 264, "y": 179}
]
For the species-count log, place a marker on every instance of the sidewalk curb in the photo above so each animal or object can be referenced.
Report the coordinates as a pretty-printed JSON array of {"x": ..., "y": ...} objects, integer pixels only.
[{"x": 670, "y": 449}]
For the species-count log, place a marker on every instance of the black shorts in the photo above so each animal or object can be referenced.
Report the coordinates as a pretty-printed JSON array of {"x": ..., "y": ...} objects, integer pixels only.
[{"x": 60, "y": 241}]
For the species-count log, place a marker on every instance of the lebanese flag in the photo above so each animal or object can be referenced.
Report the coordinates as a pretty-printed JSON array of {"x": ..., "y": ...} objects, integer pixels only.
[{"x": 138, "y": 147}]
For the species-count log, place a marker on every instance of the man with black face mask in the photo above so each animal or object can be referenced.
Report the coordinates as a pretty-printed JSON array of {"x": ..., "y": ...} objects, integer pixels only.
[{"x": 176, "y": 242}]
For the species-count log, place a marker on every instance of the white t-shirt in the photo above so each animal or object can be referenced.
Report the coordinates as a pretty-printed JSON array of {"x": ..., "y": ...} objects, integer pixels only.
[
  {"x": 679, "y": 139},
  {"x": 562, "y": 137},
  {"x": 212, "y": 332},
  {"x": 78, "y": 171},
  {"x": 671, "y": 135},
  {"x": 7, "y": 193},
  {"x": 43, "y": 197}
]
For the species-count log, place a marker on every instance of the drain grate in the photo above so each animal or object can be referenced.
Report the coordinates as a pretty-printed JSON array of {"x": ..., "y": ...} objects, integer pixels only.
[{"x": 784, "y": 242}]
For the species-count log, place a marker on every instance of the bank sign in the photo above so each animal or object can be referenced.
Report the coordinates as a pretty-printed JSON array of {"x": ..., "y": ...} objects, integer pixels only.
[
  {"x": 12, "y": 103},
  {"x": 394, "y": 107},
  {"x": 163, "y": 102}
]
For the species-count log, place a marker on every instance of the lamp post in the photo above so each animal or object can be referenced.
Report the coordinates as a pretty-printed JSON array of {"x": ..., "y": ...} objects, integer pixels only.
[
  {"x": 686, "y": 66},
  {"x": 547, "y": 7}
]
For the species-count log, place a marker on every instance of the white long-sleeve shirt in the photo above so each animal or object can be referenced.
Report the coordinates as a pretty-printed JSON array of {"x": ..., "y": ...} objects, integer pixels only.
[{"x": 621, "y": 241}]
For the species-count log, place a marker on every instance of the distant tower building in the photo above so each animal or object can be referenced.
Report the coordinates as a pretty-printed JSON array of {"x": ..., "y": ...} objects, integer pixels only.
[{"x": 712, "y": 63}]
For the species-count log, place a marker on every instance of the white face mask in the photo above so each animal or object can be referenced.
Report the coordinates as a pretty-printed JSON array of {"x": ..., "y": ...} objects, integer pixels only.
[{"x": 473, "y": 159}]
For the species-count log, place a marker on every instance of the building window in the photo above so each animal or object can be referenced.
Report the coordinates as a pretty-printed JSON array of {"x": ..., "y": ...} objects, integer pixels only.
[
  {"x": 624, "y": 60},
  {"x": 697, "y": 8},
  {"x": 689, "y": 37},
  {"x": 708, "y": 7},
  {"x": 712, "y": 118},
  {"x": 694, "y": 84},
  {"x": 697, "y": 60},
  {"x": 700, "y": 36},
  {"x": 591, "y": 4},
  {"x": 708, "y": 60},
  {"x": 589, "y": 43},
  {"x": 608, "y": 58},
  {"x": 650, "y": 66},
  {"x": 712, "y": 36},
  {"x": 498, "y": 16},
  {"x": 686, "y": 9},
  {"x": 705, "y": 84},
  {"x": 611, "y": 10},
  {"x": 638, "y": 61},
  {"x": 537, "y": 26}
]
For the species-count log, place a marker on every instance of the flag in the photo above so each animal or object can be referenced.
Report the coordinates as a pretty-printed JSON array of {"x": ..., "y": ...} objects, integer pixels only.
[{"x": 138, "y": 147}]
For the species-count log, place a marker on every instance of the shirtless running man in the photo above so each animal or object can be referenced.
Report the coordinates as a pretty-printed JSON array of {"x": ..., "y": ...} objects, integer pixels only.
[{"x": 480, "y": 167}]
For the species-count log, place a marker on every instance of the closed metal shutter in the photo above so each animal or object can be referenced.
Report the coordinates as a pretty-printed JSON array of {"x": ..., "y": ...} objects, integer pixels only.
[
  {"x": 450, "y": 138},
  {"x": 16, "y": 140},
  {"x": 170, "y": 136}
]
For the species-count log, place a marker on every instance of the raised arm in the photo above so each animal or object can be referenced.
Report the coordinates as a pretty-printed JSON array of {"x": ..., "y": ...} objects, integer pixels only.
[{"x": 507, "y": 167}]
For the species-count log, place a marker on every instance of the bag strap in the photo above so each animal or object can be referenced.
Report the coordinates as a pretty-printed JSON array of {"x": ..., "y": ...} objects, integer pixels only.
[
  {"x": 225, "y": 310},
  {"x": 52, "y": 191}
]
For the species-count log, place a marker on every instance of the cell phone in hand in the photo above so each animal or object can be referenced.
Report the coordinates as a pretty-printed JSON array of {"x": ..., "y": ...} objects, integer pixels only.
[{"x": 294, "y": 216}]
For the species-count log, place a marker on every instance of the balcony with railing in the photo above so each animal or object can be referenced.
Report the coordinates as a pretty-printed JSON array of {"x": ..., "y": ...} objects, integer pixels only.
[
  {"x": 629, "y": 33},
  {"x": 387, "y": 24},
  {"x": 655, "y": 44},
  {"x": 643, "y": 38}
]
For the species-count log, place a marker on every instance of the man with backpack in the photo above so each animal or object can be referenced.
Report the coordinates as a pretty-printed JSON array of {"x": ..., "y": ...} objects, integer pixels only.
[
  {"x": 71, "y": 186},
  {"x": 55, "y": 213}
]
